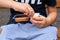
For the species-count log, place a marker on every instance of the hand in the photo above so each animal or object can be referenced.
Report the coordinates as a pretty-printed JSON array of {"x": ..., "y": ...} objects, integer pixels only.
[
  {"x": 39, "y": 21},
  {"x": 24, "y": 8}
]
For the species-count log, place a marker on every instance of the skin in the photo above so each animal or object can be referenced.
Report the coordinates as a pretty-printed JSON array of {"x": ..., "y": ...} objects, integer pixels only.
[{"x": 25, "y": 8}]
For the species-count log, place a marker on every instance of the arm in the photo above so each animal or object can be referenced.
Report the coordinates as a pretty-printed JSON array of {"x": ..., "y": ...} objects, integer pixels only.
[
  {"x": 17, "y": 6},
  {"x": 52, "y": 16},
  {"x": 42, "y": 21},
  {"x": 6, "y": 3}
]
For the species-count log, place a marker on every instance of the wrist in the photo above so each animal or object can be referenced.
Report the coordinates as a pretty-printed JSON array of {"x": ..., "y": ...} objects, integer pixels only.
[
  {"x": 13, "y": 3},
  {"x": 48, "y": 22},
  {"x": 9, "y": 4}
]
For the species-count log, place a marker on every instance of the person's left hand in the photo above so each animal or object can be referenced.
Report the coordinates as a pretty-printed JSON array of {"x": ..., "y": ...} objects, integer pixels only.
[{"x": 39, "y": 21}]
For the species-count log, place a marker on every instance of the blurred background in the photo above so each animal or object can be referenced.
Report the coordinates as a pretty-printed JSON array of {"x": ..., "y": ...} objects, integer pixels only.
[{"x": 5, "y": 14}]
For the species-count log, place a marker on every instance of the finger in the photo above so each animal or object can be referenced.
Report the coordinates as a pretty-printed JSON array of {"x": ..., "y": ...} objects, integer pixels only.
[
  {"x": 31, "y": 14},
  {"x": 36, "y": 22},
  {"x": 38, "y": 18},
  {"x": 31, "y": 11},
  {"x": 26, "y": 12},
  {"x": 23, "y": 10}
]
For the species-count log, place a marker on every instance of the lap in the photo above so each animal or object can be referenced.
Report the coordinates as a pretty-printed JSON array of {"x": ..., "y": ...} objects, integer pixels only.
[{"x": 28, "y": 31}]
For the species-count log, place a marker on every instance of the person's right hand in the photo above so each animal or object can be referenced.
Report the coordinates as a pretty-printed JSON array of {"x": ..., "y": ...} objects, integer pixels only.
[{"x": 24, "y": 8}]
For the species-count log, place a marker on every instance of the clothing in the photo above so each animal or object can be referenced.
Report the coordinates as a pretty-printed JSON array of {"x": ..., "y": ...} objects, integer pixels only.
[
  {"x": 37, "y": 5},
  {"x": 27, "y": 32}
]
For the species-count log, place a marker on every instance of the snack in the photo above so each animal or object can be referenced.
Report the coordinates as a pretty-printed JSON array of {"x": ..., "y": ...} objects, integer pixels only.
[
  {"x": 36, "y": 14},
  {"x": 20, "y": 18}
]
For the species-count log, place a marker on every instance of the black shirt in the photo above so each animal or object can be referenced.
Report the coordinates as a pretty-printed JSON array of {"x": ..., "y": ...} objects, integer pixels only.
[{"x": 37, "y": 5}]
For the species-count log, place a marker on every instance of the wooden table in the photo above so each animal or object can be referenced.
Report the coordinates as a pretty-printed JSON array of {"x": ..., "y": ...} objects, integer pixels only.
[
  {"x": 58, "y": 3},
  {"x": 58, "y": 33}
]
